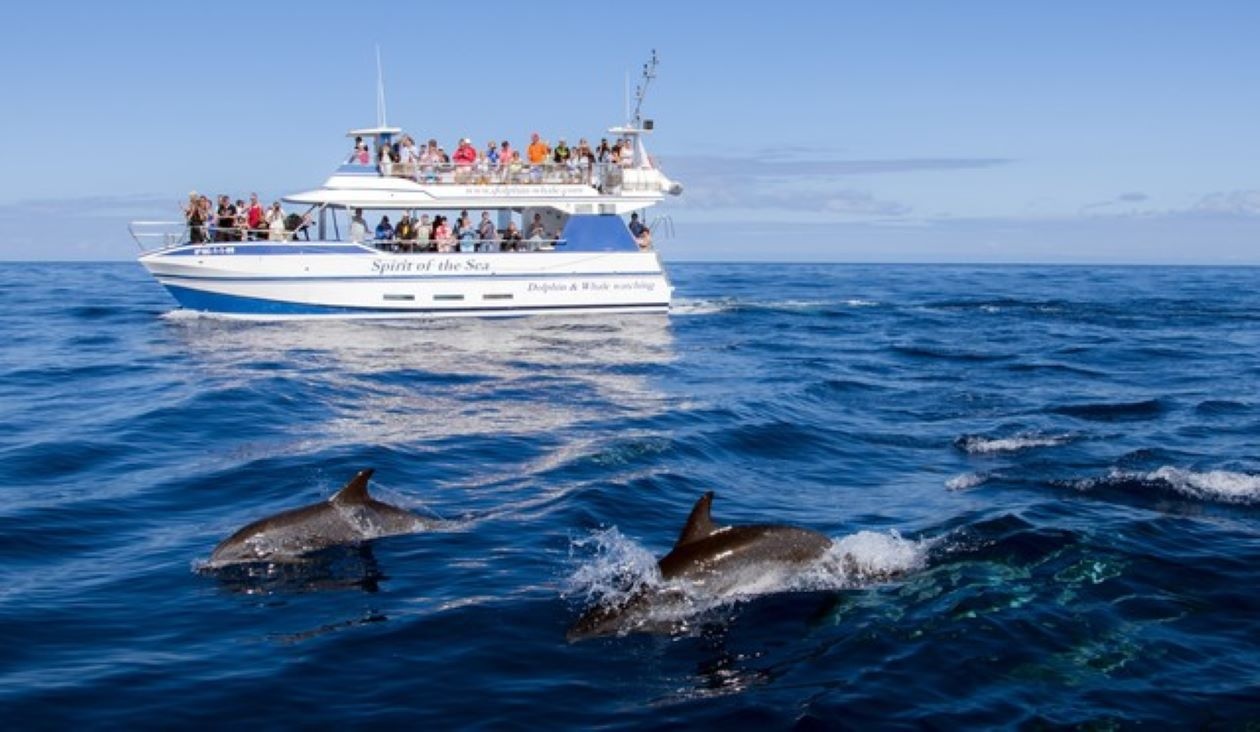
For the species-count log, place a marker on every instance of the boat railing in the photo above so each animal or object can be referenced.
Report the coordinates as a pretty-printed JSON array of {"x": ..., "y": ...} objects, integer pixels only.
[
  {"x": 467, "y": 246},
  {"x": 153, "y": 235},
  {"x": 606, "y": 177}
]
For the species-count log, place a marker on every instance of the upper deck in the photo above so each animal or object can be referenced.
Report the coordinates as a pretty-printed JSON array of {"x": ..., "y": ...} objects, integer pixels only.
[{"x": 387, "y": 169}]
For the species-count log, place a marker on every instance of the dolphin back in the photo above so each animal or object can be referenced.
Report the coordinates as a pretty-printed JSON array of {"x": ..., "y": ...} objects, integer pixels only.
[{"x": 350, "y": 516}]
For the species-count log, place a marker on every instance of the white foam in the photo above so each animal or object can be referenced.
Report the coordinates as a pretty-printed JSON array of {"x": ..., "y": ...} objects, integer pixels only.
[
  {"x": 699, "y": 307},
  {"x": 965, "y": 481},
  {"x": 1214, "y": 485},
  {"x": 976, "y": 445},
  {"x": 618, "y": 567},
  {"x": 861, "y": 303}
]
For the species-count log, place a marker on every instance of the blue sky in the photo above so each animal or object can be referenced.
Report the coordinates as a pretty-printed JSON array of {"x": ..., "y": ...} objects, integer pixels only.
[{"x": 1118, "y": 132}]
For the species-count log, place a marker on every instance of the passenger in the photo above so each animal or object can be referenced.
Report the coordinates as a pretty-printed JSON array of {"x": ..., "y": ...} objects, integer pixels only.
[
  {"x": 360, "y": 153},
  {"x": 535, "y": 241},
  {"x": 424, "y": 235},
  {"x": 537, "y": 150},
  {"x": 481, "y": 169},
  {"x": 406, "y": 233},
  {"x": 492, "y": 154},
  {"x": 603, "y": 153},
  {"x": 644, "y": 239},
  {"x": 512, "y": 238},
  {"x": 442, "y": 235},
  {"x": 505, "y": 161},
  {"x": 562, "y": 153},
  {"x": 467, "y": 235},
  {"x": 429, "y": 162},
  {"x": 536, "y": 228},
  {"x": 254, "y": 218},
  {"x": 385, "y": 160},
  {"x": 627, "y": 154},
  {"x": 358, "y": 227},
  {"x": 384, "y": 231},
  {"x": 275, "y": 223},
  {"x": 585, "y": 161},
  {"x": 636, "y": 226},
  {"x": 465, "y": 156},
  {"x": 295, "y": 225},
  {"x": 515, "y": 167},
  {"x": 242, "y": 221},
  {"x": 487, "y": 235},
  {"x": 538, "y": 155},
  {"x": 226, "y": 219},
  {"x": 408, "y": 157},
  {"x": 195, "y": 218}
]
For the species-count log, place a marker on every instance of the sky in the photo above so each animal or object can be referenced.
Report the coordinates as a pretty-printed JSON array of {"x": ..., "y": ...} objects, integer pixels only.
[{"x": 1067, "y": 132}]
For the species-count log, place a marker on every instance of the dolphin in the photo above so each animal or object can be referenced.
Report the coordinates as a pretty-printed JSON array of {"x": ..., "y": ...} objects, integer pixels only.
[
  {"x": 711, "y": 559},
  {"x": 350, "y": 516}
]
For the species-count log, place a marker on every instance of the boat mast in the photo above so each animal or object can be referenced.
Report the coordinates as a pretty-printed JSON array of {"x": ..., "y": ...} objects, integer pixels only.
[
  {"x": 380, "y": 91},
  {"x": 649, "y": 73}
]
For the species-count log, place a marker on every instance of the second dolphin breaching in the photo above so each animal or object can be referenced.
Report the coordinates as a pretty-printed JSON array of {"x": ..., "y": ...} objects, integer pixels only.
[
  {"x": 712, "y": 559},
  {"x": 350, "y": 516}
]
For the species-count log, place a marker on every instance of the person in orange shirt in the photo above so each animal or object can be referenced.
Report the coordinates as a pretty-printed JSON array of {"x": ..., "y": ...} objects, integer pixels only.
[
  {"x": 538, "y": 153},
  {"x": 537, "y": 150}
]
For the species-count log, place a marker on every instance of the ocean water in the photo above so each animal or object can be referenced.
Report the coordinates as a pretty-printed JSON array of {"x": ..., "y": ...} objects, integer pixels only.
[{"x": 1043, "y": 484}]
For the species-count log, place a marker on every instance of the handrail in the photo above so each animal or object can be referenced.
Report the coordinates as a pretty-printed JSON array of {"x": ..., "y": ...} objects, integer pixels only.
[
  {"x": 453, "y": 245},
  {"x": 603, "y": 176},
  {"x": 172, "y": 233}
]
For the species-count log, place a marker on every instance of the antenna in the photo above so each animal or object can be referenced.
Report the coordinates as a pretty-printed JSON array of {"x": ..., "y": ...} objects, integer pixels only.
[
  {"x": 649, "y": 73},
  {"x": 380, "y": 90}
]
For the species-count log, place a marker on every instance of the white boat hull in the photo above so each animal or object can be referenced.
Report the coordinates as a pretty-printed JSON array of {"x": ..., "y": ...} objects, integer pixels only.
[{"x": 262, "y": 280}]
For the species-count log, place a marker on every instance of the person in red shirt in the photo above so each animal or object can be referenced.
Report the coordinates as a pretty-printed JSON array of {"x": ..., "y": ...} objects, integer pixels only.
[
  {"x": 464, "y": 157},
  {"x": 254, "y": 218}
]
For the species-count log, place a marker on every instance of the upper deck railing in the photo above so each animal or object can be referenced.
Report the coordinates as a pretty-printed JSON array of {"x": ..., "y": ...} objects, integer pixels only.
[{"x": 607, "y": 178}]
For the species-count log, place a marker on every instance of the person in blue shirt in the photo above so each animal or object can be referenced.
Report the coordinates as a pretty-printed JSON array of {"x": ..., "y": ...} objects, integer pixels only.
[
  {"x": 636, "y": 226},
  {"x": 384, "y": 232}
]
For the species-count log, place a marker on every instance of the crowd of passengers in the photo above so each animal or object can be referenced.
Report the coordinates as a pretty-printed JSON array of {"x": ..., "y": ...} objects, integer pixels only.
[
  {"x": 239, "y": 222},
  {"x": 437, "y": 235},
  {"x": 498, "y": 162}
]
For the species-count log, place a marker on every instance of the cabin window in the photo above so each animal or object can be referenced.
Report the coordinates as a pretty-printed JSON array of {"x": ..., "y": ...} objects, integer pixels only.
[{"x": 448, "y": 297}]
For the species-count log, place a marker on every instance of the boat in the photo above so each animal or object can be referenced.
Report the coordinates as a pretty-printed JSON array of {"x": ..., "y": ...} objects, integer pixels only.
[{"x": 576, "y": 253}]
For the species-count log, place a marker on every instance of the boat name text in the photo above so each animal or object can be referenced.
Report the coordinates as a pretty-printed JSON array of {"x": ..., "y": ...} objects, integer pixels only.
[{"x": 419, "y": 266}]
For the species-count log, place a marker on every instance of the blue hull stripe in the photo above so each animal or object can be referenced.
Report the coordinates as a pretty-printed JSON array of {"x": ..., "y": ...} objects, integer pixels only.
[{"x": 232, "y": 304}]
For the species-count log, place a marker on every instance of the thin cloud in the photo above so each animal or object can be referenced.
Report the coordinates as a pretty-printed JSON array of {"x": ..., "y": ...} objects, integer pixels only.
[
  {"x": 80, "y": 207},
  {"x": 1229, "y": 203},
  {"x": 789, "y": 166}
]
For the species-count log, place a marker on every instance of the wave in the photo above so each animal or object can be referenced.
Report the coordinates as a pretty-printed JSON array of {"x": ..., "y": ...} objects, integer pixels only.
[
  {"x": 702, "y": 306},
  {"x": 946, "y": 354},
  {"x": 1112, "y": 411},
  {"x": 1217, "y": 486},
  {"x": 978, "y": 445},
  {"x": 966, "y": 481}
]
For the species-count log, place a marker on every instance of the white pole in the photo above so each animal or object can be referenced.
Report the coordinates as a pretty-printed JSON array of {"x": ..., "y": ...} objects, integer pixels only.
[{"x": 381, "y": 92}]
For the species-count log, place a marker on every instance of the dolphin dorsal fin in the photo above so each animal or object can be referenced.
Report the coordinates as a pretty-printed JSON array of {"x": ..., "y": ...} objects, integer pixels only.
[
  {"x": 356, "y": 490},
  {"x": 699, "y": 524}
]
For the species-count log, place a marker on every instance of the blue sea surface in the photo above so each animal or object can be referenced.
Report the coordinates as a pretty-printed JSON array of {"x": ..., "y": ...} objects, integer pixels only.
[{"x": 1046, "y": 480}]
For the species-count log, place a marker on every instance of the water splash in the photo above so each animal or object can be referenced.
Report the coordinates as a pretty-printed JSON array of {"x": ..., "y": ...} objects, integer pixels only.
[{"x": 979, "y": 445}]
